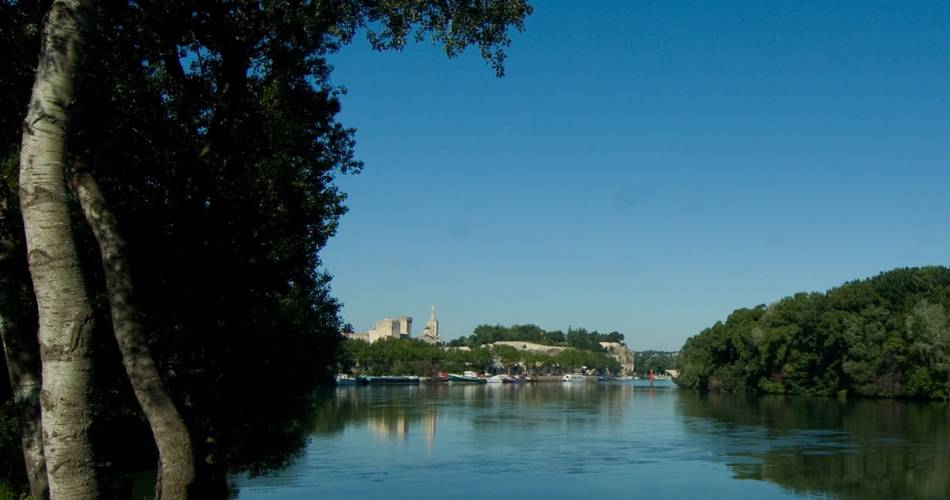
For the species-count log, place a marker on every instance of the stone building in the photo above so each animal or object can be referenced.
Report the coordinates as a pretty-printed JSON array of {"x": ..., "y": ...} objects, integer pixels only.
[
  {"x": 430, "y": 333},
  {"x": 400, "y": 328}
]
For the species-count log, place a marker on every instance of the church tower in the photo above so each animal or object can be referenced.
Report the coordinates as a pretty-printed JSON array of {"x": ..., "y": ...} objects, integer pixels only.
[{"x": 430, "y": 333}]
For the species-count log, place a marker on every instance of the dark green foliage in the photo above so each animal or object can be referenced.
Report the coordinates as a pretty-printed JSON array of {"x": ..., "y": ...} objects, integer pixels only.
[
  {"x": 221, "y": 174},
  {"x": 572, "y": 360},
  {"x": 211, "y": 128},
  {"x": 658, "y": 361},
  {"x": 578, "y": 338},
  {"x": 12, "y": 472},
  {"x": 410, "y": 357},
  {"x": 886, "y": 336},
  {"x": 454, "y": 24}
]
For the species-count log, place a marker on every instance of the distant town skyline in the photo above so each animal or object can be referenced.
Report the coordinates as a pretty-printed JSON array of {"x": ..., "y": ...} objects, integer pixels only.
[{"x": 645, "y": 167}]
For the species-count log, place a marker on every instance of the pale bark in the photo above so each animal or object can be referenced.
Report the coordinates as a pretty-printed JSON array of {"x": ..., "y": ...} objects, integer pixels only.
[
  {"x": 176, "y": 460},
  {"x": 21, "y": 352},
  {"x": 65, "y": 315}
]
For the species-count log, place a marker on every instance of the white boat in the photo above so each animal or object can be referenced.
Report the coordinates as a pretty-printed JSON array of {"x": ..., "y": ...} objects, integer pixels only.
[
  {"x": 573, "y": 377},
  {"x": 498, "y": 379},
  {"x": 466, "y": 378}
]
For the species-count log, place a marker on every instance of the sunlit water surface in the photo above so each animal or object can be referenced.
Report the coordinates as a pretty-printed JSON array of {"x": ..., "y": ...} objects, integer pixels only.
[{"x": 611, "y": 440}]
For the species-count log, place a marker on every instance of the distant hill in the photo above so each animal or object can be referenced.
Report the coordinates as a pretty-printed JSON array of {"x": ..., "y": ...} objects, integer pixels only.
[
  {"x": 577, "y": 338},
  {"x": 886, "y": 336}
]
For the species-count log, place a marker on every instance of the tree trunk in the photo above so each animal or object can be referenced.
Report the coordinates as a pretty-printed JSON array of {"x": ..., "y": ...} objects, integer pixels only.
[
  {"x": 23, "y": 366},
  {"x": 65, "y": 316},
  {"x": 176, "y": 460}
]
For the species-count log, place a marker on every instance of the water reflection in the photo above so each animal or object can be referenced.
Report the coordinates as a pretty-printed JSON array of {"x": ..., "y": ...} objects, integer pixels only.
[
  {"x": 847, "y": 449},
  {"x": 390, "y": 414},
  {"x": 394, "y": 413},
  {"x": 612, "y": 441}
]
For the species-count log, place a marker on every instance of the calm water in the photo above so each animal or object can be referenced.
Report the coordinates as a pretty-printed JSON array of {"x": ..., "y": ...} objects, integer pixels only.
[{"x": 616, "y": 440}]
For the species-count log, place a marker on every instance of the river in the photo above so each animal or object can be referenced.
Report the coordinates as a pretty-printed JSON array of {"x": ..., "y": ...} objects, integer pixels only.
[{"x": 611, "y": 440}]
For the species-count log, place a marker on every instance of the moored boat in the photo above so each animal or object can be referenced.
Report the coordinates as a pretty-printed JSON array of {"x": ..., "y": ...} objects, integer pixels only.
[
  {"x": 455, "y": 378},
  {"x": 574, "y": 377},
  {"x": 394, "y": 380}
]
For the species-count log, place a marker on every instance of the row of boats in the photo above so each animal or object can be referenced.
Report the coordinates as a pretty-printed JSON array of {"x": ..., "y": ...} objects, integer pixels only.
[
  {"x": 453, "y": 378},
  {"x": 346, "y": 380},
  {"x": 473, "y": 378},
  {"x": 468, "y": 377}
]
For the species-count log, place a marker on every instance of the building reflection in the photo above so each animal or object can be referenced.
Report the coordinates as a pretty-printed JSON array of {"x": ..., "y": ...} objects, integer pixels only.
[
  {"x": 391, "y": 414},
  {"x": 398, "y": 413},
  {"x": 428, "y": 428},
  {"x": 389, "y": 426},
  {"x": 396, "y": 426}
]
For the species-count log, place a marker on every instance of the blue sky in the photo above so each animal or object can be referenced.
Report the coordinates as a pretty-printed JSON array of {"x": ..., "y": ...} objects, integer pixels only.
[{"x": 645, "y": 167}]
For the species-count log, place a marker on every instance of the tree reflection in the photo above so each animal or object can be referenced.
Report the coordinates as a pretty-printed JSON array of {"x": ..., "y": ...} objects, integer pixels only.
[{"x": 848, "y": 449}]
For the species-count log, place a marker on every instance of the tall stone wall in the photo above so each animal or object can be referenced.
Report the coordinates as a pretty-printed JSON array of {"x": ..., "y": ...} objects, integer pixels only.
[{"x": 405, "y": 326}]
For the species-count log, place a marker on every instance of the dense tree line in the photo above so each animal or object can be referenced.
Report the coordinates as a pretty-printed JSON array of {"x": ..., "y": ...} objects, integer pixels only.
[
  {"x": 658, "y": 361},
  {"x": 210, "y": 128},
  {"x": 415, "y": 357},
  {"x": 887, "y": 336},
  {"x": 410, "y": 357},
  {"x": 577, "y": 338}
]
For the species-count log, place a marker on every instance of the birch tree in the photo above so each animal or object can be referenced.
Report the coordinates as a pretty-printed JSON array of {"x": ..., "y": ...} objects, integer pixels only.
[
  {"x": 176, "y": 470},
  {"x": 64, "y": 312},
  {"x": 212, "y": 130}
]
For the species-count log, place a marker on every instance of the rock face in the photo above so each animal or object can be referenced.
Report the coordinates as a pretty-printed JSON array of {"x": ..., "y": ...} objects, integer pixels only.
[
  {"x": 621, "y": 353},
  {"x": 617, "y": 350},
  {"x": 549, "y": 350},
  {"x": 430, "y": 333}
]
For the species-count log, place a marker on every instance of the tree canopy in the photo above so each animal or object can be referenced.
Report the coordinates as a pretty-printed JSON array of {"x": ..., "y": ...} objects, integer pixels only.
[
  {"x": 658, "y": 361},
  {"x": 211, "y": 127},
  {"x": 886, "y": 336},
  {"x": 578, "y": 338}
]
